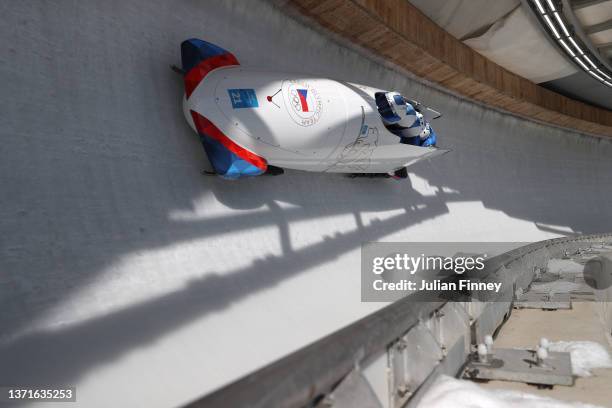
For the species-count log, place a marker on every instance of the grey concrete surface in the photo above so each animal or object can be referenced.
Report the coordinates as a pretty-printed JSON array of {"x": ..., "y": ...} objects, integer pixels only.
[
  {"x": 126, "y": 273},
  {"x": 461, "y": 18}
]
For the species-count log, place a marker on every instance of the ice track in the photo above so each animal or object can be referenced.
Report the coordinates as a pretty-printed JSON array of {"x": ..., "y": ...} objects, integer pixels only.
[{"x": 128, "y": 274}]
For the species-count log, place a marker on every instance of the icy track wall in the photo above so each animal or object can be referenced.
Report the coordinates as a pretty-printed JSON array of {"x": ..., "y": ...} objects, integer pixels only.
[{"x": 126, "y": 273}]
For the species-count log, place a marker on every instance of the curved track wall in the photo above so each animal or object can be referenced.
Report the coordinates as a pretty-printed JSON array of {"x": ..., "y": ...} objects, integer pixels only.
[
  {"x": 123, "y": 269},
  {"x": 295, "y": 380}
]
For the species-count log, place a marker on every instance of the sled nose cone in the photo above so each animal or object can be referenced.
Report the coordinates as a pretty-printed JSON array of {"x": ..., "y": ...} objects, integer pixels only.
[{"x": 198, "y": 58}]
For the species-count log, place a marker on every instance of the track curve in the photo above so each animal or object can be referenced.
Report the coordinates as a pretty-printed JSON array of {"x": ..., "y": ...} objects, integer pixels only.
[{"x": 150, "y": 284}]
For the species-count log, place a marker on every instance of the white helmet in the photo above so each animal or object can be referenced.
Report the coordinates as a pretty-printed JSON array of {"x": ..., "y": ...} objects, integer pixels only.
[
  {"x": 397, "y": 111},
  {"x": 425, "y": 132}
]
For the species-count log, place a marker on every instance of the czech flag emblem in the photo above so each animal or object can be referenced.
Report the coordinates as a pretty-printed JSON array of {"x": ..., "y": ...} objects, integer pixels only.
[{"x": 303, "y": 94}]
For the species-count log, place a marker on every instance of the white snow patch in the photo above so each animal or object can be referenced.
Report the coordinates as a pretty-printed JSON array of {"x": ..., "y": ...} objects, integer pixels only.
[
  {"x": 585, "y": 355},
  {"x": 449, "y": 392}
]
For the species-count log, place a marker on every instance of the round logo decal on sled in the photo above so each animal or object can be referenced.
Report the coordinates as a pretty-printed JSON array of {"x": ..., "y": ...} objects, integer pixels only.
[{"x": 302, "y": 101}]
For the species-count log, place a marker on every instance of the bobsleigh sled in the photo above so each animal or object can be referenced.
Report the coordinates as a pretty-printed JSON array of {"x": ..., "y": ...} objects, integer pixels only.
[{"x": 253, "y": 122}]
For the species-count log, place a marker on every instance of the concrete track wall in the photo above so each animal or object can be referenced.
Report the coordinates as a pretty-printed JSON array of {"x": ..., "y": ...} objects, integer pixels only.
[{"x": 125, "y": 272}]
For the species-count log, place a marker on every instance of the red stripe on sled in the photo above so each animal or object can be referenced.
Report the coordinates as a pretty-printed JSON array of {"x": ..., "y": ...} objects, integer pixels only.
[
  {"x": 197, "y": 73},
  {"x": 206, "y": 127}
]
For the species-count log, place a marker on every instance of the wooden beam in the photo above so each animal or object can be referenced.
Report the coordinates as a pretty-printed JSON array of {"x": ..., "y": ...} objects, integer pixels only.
[
  {"x": 578, "y": 4},
  {"x": 596, "y": 28}
]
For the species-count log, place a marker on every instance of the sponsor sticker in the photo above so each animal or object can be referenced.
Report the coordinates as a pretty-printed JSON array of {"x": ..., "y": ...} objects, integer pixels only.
[{"x": 243, "y": 98}]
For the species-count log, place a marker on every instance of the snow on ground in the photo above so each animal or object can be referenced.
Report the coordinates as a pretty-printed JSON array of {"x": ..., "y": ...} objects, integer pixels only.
[
  {"x": 449, "y": 392},
  {"x": 585, "y": 355}
]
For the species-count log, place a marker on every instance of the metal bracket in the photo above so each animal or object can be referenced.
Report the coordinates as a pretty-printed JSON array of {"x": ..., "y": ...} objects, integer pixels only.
[
  {"x": 522, "y": 366},
  {"x": 545, "y": 301},
  {"x": 354, "y": 391},
  {"x": 410, "y": 359}
]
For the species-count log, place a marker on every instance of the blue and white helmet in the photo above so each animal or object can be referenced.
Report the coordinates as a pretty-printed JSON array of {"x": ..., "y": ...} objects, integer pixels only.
[
  {"x": 399, "y": 111},
  {"x": 424, "y": 128}
]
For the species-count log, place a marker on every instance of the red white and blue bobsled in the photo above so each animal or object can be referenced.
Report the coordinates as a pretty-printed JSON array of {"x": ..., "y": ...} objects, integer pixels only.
[{"x": 253, "y": 122}]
